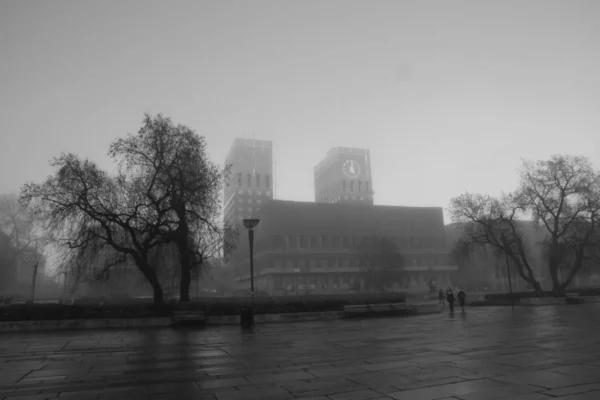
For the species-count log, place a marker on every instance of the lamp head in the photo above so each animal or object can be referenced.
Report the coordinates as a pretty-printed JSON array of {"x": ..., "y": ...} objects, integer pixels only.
[{"x": 251, "y": 223}]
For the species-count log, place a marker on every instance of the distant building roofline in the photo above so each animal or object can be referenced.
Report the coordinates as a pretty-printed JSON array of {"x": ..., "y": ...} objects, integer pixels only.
[{"x": 246, "y": 142}]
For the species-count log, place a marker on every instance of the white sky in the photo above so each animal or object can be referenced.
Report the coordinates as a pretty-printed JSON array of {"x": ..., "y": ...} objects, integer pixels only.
[{"x": 448, "y": 95}]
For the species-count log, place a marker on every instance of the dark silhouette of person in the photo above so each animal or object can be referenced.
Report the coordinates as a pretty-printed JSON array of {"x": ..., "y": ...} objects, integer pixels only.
[
  {"x": 461, "y": 299},
  {"x": 441, "y": 297},
  {"x": 450, "y": 299}
]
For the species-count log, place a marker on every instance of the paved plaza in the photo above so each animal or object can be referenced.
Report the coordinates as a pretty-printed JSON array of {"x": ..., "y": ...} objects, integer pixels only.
[{"x": 491, "y": 353}]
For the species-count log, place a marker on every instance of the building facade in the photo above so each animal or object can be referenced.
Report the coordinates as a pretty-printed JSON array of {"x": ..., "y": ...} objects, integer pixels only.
[
  {"x": 251, "y": 182},
  {"x": 303, "y": 247},
  {"x": 343, "y": 176}
]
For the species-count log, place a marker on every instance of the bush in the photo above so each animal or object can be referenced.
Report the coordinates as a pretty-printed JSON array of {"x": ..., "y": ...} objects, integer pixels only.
[
  {"x": 45, "y": 312},
  {"x": 529, "y": 295},
  {"x": 585, "y": 291},
  {"x": 89, "y": 309}
]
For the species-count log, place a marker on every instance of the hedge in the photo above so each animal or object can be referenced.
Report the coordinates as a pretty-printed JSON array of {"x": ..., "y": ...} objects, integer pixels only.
[
  {"x": 213, "y": 307},
  {"x": 530, "y": 294}
]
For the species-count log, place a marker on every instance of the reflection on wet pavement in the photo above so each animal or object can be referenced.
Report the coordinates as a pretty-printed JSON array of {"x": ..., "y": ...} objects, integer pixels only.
[{"x": 490, "y": 353}]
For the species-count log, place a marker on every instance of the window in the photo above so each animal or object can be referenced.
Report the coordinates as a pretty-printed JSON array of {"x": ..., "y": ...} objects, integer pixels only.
[
  {"x": 361, "y": 198},
  {"x": 249, "y": 180},
  {"x": 259, "y": 201},
  {"x": 249, "y": 209},
  {"x": 268, "y": 180},
  {"x": 257, "y": 180},
  {"x": 344, "y": 185},
  {"x": 239, "y": 179},
  {"x": 367, "y": 187},
  {"x": 352, "y": 186},
  {"x": 250, "y": 192},
  {"x": 258, "y": 193},
  {"x": 268, "y": 193},
  {"x": 359, "y": 186}
]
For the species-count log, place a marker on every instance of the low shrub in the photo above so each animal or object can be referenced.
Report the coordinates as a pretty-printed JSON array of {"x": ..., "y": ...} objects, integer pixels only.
[
  {"x": 585, "y": 291},
  {"x": 544, "y": 294},
  {"x": 213, "y": 307}
]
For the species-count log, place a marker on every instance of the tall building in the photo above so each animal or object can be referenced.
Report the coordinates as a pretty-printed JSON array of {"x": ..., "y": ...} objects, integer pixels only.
[
  {"x": 344, "y": 176},
  {"x": 251, "y": 179}
]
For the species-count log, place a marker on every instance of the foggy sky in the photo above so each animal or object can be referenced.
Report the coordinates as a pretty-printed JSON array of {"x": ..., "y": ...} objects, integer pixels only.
[{"x": 448, "y": 95}]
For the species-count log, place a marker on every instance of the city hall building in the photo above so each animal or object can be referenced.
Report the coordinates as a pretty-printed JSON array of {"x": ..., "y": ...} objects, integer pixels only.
[{"x": 316, "y": 247}]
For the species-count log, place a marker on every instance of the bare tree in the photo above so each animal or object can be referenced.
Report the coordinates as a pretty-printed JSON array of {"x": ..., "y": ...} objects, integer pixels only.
[
  {"x": 382, "y": 264},
  {"x": 563, "y": 196},
  {"x": 466, "y": 255},
  {"x": 7, "y": 265},
  {"x": 493, "y": 223},
  {"x": 25, "y": 235},
  {"x": 18, "y": 224},
  {"x": 90, "y": 262},
  {"x": 175, "y": 156},
  {"x": 83, "y": 207}
]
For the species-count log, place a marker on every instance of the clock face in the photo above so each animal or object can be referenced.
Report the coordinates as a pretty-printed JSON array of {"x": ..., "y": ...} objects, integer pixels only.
[{"x": 351, "y": 169}]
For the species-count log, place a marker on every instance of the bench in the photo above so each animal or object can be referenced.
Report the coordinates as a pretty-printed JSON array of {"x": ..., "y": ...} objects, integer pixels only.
[
  {"x": 573, "y": 298},
  {"x": 188, "y": 318},
  {"x": 395, "y": 308}
]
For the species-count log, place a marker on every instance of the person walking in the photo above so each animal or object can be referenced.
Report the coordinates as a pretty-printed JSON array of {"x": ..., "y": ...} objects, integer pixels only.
[
  {"x": 441, "y": 297},
  {"x": 450, "y": 299},
  {"x": 462, "y": 296}
]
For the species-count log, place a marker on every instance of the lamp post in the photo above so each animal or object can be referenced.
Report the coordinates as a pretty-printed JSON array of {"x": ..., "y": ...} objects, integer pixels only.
[{"x": 247, "y": 317}]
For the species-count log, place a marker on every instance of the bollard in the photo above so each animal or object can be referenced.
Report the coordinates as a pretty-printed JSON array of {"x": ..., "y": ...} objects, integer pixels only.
[{"x": 247, "y": 317}]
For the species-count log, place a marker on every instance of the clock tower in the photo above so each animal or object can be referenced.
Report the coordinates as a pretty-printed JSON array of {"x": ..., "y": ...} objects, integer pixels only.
[{"x": 344, "y": 176}]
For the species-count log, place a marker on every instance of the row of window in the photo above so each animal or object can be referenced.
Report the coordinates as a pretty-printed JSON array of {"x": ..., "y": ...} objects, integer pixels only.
[
  {"x": 256, "y": 180},
  {"x": 324, "y": 242},
  {"x": 289, "y": 282},
  {"x": 258, "y": 192},
  {"x": 249, "y": 201},
  {"x": 300, "y": 264},
  {"x": 359, "y": 186},
  {"x": 339, "y": 198}
]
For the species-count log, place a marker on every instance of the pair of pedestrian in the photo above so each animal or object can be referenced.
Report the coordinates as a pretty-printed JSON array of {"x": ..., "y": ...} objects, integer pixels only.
[{"x": 451, "y": 300}]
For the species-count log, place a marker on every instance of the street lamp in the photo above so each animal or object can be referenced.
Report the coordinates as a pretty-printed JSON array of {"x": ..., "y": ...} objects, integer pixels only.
[{"x": 247, "y": 317}]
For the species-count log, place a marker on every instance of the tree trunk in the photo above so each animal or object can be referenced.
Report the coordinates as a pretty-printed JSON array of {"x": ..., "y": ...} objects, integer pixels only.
[
  {"x": 576, "y": 268},
  {"x": 152, "y": 279},
  {"x": 527, "y": 277},
  {"x": 186, "y": 276},
  {"x": 557, "y": 288}
]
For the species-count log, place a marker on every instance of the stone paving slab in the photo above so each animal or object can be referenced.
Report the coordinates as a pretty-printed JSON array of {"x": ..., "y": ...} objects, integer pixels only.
[{"x": 549, "y": 352}]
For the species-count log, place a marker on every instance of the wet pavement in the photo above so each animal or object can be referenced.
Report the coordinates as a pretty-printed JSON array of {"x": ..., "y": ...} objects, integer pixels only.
[{"x": 490, "y": 353}]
